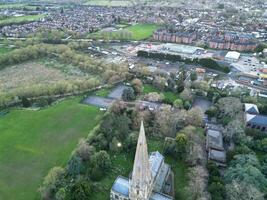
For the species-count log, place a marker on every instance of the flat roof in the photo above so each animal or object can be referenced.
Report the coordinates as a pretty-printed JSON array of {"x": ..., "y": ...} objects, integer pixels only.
[
  {"x": 179, "y": 48},
  {"x": 214, "y": 139},
  {"x": 233, "y": 55},
  {"x": 217, "y": 155}
]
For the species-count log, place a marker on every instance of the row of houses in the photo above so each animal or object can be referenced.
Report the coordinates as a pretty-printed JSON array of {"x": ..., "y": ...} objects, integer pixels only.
[
  {"x": 232, "y": 45},
  {"x": 176, "y": 37}
]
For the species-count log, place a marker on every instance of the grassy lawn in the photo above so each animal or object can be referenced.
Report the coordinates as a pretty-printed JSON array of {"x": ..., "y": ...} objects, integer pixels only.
[
  {"x": 32, "y": 142},
  {"x": 138, "y": 32},
  {"x": 4, "y": 50},
  {"x": 109, "y": 3},
  {"x": 123, "y": 163},
  {"x": 21, "y": 19},
  {"x": 142, "y": 31},
  {"x": 103, "y": 92},
  {"x": 169, "y": 96},
  {"x": 12, "y": 5}
]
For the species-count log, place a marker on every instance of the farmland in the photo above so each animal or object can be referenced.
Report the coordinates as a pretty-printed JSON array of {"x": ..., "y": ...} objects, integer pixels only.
[{"x": 34, "y": 141}]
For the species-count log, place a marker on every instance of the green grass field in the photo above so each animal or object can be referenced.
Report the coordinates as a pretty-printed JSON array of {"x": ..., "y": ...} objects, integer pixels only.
[
  {"x": 12, "y": 5},
  {"x": 109, "y": 3},
  {"x": 103, "y": 92},
  {"x": 138, "y": 32},
  {"x": 123, "y": 163},
  {"x": 32, "y": 142},
  {"x": 169, "y": 96},
  {"x": 4, "y": 50},
  {"x": 20, "y": 19},
  {"x": 142, "y": 31}
]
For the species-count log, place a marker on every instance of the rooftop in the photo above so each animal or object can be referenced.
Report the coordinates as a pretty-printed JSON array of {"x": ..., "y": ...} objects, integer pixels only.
[
  {"x": 121, "y": 185},
  {"x": 251, "y": 108},
  {"x": 232, "y": 55},
  {"x": 258, "y": 120},
  {"x": 214, "y": 139}
]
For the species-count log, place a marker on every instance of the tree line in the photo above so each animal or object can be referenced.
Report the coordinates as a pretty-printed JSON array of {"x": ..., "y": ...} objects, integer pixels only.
[{"x": 205, "y": 62}]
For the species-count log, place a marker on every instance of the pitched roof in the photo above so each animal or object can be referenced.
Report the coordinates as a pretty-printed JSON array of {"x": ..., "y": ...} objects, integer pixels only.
[
  {"x": 141, "y": 170},
  {"x": 258, "y": 120},
  {"x": 251, "y": 108}
]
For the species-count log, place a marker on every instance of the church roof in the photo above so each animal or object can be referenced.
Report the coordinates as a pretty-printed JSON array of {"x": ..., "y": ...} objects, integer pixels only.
[
  {"x": 159, "y": 196},
  {"x": 141, "y": 170},
  {"x": 155, "y": 160},
  {"x": 121, "y": 186}
]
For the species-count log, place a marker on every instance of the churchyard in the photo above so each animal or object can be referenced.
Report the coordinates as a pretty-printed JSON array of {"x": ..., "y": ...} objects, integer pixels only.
[
  {"x": 122, "y": 164},
  {"x": 32, "y": 142}
]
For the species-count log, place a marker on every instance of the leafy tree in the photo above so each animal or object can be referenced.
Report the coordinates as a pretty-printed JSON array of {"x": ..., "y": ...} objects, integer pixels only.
[
  {"x": 178, "y": 103},
  {"x": 84, "y": 150},
  {"x": 246, "y": 168},
  {"x": 137, "y": 86},
  {"x": 186, "y": 95},
  {"x": 81, "y": 190},
  {"x": 181, "y": 144},
  {"x": 75, "y": 166},
  {"x": 51, "y": 182},
  {"x": 102, "y": 161},
  {"x": 61, "y": 194},
  {"x": 242, "y": 191},
  {"x": 193, "y": 76},
  {"x": 128, "y": 94}
]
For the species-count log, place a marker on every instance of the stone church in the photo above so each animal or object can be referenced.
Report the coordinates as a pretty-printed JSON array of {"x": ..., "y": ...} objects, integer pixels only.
[{"x": 151, "y": 178}]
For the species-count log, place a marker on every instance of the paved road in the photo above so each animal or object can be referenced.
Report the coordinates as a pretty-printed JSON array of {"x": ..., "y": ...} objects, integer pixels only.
[
  {"x": 117, "y": 92},
  {"x": 98, "y": 101}
]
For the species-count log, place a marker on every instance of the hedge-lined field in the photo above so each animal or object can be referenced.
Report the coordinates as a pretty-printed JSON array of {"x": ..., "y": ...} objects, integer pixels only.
[{"x": 32, "y": 142}]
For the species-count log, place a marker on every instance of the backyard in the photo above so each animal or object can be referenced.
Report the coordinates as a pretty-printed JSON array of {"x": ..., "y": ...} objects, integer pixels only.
[{"x": 32, "y": 142}]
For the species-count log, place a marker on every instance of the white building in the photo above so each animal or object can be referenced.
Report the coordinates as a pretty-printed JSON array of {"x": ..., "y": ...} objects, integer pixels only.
[{"x": 232, "y": 56}]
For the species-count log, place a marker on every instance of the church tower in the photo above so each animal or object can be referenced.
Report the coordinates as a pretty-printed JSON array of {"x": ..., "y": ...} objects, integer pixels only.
[{"x": 141, "y": 181}]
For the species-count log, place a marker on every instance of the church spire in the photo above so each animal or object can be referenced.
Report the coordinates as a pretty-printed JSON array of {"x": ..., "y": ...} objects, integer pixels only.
[{"x": 140, "y": 184}]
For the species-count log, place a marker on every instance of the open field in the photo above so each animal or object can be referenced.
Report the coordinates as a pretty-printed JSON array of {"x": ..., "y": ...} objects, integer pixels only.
[
  {"x": 29, "y": 74},
  {"x": 123, "y": 163},
  {"x": 109, "y": 3},
  {"x": 21, "y": 19},
  {"x": 142, "y": 31},
  {"x": 126, "y": 3},
  {"x": 137, "y": 31},
  {"x": 32, "y": 142},
  {"x": 13, "y": 5}
]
